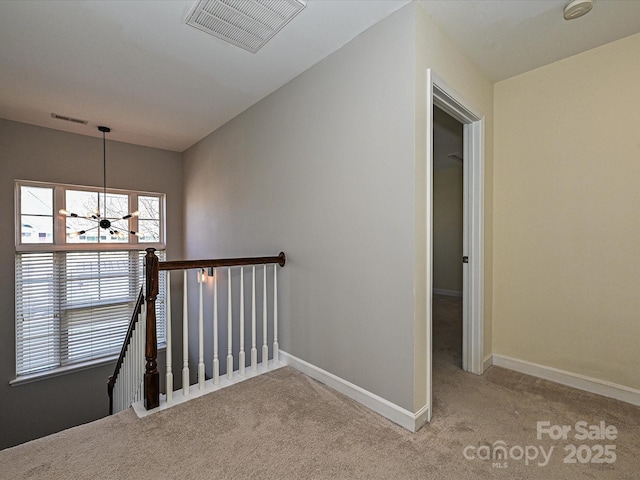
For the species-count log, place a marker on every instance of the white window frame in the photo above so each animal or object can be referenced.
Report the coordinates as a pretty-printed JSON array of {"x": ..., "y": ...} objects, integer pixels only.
[
  {"x": 59, "y": 244},
  {"x": 59, "y": 221}
]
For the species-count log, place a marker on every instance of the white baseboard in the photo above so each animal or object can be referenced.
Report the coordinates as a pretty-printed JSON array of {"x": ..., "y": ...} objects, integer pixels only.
[
  {"x": 194, "y": 391},
  {"x": 488, "y": 361},
  {"x": 447, "y": 293},
  {"x": 581, "y": 382},
  {"x": 411, "y": 421}
]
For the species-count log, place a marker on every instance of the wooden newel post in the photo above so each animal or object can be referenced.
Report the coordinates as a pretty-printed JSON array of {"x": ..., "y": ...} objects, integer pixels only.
[{"x": 151, "y": 374}]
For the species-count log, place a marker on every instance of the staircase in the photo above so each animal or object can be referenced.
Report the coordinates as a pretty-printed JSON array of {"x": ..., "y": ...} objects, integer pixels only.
[{"x": 237, "y": 313}]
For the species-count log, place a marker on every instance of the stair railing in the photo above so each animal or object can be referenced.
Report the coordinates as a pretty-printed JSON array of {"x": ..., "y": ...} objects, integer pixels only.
[
  {"x": 125, "y": 385},
  {"x": 216, "y": 268}
]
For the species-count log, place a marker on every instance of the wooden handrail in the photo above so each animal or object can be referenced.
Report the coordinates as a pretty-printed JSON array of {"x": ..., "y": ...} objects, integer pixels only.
[
  {"x": 152, "y": 272},
  {"x": 127, "y": 340},
  {"x": 226, "y": 262}
]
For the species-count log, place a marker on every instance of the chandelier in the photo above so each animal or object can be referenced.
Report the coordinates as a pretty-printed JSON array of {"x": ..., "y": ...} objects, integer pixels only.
[{"x": 109, "y": 224}]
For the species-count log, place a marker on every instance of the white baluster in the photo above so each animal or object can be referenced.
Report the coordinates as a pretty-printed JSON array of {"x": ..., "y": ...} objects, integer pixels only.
[
  {"x": 129, "y": 384},
  {"x": 200, "y": 332},
  {"x": 185, "y": 336},
  {"x": 136, "y": 371},
  {"x": 168, "y": 341},
  {"x": 241, "y": 359},
  {"x": 118, "y": 399},
  {"x": 129, "y": 364},
  {"x": 229, "y": 329},
  {"x": 265, "y": 347},
  {"x": 216, "y": 362},
  {"x": 141, "y": 355},
  {"x": 254, "y": 351},
  {"x": 134, "y": 380},
  {"x": 276, "y": 346},
  {"x": 127, "y": 381}
]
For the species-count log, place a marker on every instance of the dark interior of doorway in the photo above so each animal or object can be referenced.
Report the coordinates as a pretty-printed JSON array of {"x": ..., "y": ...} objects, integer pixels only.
[{"x": 447, "y": 242}]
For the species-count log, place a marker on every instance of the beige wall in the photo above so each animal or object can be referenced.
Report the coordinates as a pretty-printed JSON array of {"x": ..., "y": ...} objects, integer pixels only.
[
  {"x": 447, "y": 229},
  {"x": 567, "y": 203},
  {"x": 34, "y": 153},
  {"x": 435, "y": 50}
]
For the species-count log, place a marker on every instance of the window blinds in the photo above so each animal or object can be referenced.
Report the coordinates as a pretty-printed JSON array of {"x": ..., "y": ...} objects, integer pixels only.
[
  {"x": 37, "y": 325},
  {"x": 73, "y": 307}
]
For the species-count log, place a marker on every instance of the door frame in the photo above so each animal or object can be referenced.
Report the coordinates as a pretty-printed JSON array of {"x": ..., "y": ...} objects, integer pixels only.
[{"x": 441, "y": 95}]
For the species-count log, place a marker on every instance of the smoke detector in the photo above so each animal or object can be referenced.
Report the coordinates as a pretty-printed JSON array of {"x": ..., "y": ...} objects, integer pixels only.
[
  {"x": 248, "y": 24},
  {"x": 577, "y": 8}
]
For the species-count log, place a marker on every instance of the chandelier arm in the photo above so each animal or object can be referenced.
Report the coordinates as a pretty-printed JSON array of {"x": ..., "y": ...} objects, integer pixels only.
[
  {"x": 81, "y": 232},
  {"x": 116, "y": 229}
]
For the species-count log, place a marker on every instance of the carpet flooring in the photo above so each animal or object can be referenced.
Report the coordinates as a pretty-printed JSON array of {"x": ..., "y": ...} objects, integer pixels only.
[{"x": 284, "y": 425}]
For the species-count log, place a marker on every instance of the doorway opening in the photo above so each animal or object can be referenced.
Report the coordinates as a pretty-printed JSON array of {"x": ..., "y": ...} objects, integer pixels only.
[
  {"x": 442, "y": 97},
  {"x": 448, "y": 167}
]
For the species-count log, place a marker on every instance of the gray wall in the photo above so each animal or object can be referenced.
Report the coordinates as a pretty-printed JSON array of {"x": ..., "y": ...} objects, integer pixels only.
[
  {"x": 34, "y": 153},
  {"x": 323, "y": 170}
]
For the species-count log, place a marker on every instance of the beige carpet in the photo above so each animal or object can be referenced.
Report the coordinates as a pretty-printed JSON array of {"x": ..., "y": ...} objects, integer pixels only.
[{"x": 283, "y": 425}]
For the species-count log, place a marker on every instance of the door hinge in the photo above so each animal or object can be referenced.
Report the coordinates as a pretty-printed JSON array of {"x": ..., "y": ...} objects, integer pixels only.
[{"x": 465, "y": 259}]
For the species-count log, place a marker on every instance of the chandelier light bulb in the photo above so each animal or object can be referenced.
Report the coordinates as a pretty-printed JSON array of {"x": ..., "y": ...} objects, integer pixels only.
[
  {"x": 67, "y": 213},
  {"x": 132, "y": 214}
]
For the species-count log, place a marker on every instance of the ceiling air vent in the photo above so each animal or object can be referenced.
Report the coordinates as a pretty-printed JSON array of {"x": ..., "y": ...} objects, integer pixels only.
[
  {"x": 68, "y": 119},
  {"x": 248, "y": 24}
]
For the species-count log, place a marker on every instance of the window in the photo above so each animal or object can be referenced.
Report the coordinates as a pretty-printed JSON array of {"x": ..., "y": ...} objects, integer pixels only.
[
  {"x": 76, "y": 282},
  {"x": 81, "y": 202},
  {"x": 36, "y": 214}
]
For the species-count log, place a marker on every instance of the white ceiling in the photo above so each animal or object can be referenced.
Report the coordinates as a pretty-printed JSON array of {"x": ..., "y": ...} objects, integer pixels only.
[
  {"x": 136, "y": 67},
  {"x": 508, "y": 37}
]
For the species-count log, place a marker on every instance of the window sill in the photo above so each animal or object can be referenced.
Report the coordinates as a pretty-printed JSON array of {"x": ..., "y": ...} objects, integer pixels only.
[
  {"x": 76, "y": 367},
  {"x": 91, "y": 247}
]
